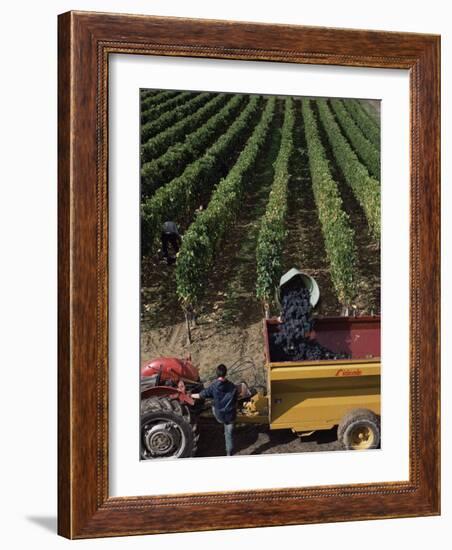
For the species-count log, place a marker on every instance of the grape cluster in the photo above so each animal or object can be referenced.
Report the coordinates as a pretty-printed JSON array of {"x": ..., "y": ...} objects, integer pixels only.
[{"x": 291, "y": 342}]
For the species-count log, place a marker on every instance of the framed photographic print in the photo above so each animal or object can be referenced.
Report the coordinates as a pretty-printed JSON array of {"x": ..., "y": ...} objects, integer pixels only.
[{"x": 248, "y": 274}]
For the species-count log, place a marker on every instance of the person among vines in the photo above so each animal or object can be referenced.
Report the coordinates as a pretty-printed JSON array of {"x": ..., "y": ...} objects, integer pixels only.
[{"x": 170, "y": 236}]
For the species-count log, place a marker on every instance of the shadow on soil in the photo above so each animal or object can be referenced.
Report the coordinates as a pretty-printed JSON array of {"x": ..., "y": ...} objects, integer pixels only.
[{"x": 259, "y": 439}]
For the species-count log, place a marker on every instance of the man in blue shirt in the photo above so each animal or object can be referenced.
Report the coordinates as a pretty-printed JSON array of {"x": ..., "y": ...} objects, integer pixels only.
[{"x": 224, "y": 395}]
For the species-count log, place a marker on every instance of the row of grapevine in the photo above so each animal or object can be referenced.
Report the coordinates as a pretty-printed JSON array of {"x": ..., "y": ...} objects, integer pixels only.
[
  {"x": 173, "y": 134},
  {"x": 368, "y": 126},
  {"x": 204, "y": 236},
  {"x": 364, "y": 148},
  {"x": 365, "y": 188},
  {"x": 157, "y": 172},
  {"x": 166, "y": 120},
  {"x": 370, "y": 111},
  {"x": 337, "y": 233},
  {"x": 144, "y": 94},
  {"x": 272, "y": 232},
  {"x": 156, "y": 99},
  {"x": 178, "y": 199},
  {"x": 156, "y": 110}
]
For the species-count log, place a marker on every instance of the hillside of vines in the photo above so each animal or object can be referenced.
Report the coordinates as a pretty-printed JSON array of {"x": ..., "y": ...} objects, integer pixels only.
[{"x": 256, "y": 185}]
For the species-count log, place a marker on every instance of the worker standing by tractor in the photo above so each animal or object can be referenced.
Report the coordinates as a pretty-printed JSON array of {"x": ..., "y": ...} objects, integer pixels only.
[
  {"x": 224, "y": 395},
  {"x": 170, "y": 236}
]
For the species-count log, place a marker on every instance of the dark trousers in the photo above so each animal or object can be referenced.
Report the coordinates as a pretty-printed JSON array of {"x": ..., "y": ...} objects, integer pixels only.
[{"x": 170, "y": 239}]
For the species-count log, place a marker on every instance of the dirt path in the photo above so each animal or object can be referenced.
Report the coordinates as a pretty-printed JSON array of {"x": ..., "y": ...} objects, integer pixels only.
[
  {"x": 259, "y": 439},
  {"x": 368, "y": 276},
  {"x": 304, "y": 246}
]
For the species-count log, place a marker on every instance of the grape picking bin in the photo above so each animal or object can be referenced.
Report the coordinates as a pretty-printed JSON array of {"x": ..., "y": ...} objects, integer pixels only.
[{"x": 297, "y": 277}]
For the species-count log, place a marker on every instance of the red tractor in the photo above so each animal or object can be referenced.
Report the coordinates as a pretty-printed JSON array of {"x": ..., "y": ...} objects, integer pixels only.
[{"x": 168, "y": 413}]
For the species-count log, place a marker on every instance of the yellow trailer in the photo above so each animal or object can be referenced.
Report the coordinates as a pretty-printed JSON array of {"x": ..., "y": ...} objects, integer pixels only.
[{"x": 306, "y": 396}]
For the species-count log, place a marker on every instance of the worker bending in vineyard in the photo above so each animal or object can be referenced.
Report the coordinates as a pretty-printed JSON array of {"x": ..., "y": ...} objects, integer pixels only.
[
  {"x": 224, "y": 395},
  {"x": 170, "y": 236}
]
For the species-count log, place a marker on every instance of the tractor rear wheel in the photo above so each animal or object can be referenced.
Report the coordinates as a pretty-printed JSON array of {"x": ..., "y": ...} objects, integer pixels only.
[
  {"x": 168, "y": 429},
  {"x": 359, "y": 430}
]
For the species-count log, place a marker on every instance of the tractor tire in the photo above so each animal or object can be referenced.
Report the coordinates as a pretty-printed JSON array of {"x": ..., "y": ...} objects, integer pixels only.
[
  {"x": 359, "y": 430},
  {"x": 168, "y": 429}
]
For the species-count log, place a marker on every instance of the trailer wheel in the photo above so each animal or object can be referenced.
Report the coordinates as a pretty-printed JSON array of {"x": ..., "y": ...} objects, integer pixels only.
[
  {"x": 359, "y": 430},
  {"x": 168, "y": 429}
]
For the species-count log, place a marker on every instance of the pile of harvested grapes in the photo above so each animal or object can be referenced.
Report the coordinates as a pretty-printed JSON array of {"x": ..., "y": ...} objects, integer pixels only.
[{"x": 291, "y": 342}]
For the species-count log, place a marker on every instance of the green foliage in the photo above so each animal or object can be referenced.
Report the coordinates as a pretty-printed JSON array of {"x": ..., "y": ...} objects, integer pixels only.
[
  {"x": 365, "y": 188},
  {"x": 144, "y": 94},
  {"x": 188, "y": 118},
  {"x": 166, "y": 120},
  {"x": 156, "y": 173},
  {"x": 178, "y": 199},
  {"x": 203, "y": 239},
  {"x": 272, "y": 232},
  {"x": 364, "y": 148},
  {"x": 157, "y": 98},
  {"x": 367, "y": 124},
  {"x": 337, "y": 234},
  {"x": 157, "y": 110}
]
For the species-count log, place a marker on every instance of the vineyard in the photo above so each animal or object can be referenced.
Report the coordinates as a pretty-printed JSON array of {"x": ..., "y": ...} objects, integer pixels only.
[{"x": 256, "y": 185}]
